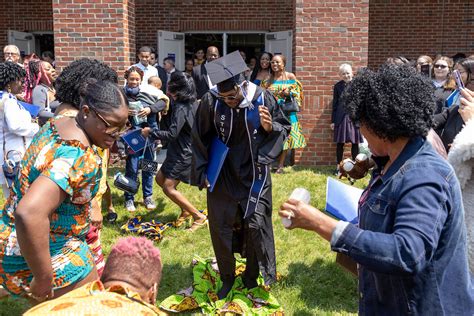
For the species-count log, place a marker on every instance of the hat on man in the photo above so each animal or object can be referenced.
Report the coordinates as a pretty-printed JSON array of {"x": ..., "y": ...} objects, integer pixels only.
[{"x": 228, "y": 67}]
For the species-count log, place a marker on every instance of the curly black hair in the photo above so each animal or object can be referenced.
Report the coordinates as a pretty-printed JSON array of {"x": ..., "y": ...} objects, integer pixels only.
[
  {"x": 69, "y": 82},
  {"x": 102, "y": 95},
  {"x": 393, "y": 102},
  {"x": 182, "y": 85},
  {"x": 10, "y": 72}
]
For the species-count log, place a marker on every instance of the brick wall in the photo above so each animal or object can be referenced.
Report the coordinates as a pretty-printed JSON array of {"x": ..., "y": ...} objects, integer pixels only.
[
  {"x": 413, "y": 28},
  {"x": 101, "y": 29},
  {"x": 327, "y": 34},
  {"x": 205, "y": 15},
  {"x": 25, "y": 16}
]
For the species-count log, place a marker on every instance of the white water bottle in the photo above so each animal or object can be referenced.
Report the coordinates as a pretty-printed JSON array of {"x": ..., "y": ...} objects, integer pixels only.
[{"x": 299, "y": 194}]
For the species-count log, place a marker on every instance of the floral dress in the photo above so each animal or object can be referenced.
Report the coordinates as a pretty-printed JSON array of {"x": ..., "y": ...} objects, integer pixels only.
[
  {"x": 296, "y": 138},
  {"x": 75, "y": 168}
]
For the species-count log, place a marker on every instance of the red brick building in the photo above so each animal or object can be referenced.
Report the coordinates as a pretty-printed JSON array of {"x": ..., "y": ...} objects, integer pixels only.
[{"x": 318, "y": 34}]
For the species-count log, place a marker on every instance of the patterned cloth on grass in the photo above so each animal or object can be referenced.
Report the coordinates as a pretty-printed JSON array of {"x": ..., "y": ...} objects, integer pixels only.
[
  {"x": 239, "y": 301},
  {"x": 154, "y": 229}
]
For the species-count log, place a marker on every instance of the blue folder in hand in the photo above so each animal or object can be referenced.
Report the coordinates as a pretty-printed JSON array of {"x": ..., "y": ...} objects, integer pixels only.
[
  {"x": 342, "y": 200},
  {"x": 135, "y": 140},
  {"x": 32, "y": 108},
  {"x": 452, "y": 99},
  {"x": 217, "y": 153}
]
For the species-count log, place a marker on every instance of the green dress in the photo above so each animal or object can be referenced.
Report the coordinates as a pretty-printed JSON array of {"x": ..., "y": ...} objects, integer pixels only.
[
  {"x": 75, "y": 168},
  {"x": 296, "y": 138}
]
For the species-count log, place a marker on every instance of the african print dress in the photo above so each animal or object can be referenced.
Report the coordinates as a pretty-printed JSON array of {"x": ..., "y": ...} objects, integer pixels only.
[
  {"x": 75, "y": 168},
  {"x": 296, "y": 138}
]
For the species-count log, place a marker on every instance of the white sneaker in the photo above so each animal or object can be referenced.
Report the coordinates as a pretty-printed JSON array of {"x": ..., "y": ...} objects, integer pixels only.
[
  {"x": 149, "y": 204},
  {"x": 130, "y": 206}
]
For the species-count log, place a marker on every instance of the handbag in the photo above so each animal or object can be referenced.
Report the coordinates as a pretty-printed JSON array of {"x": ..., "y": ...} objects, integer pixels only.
[
  {"x": 10, "y": 167},
  {"x": 290, "y": 106},
  {"x": 148, "y": 165},
  {"x": 125, "y": 184}
]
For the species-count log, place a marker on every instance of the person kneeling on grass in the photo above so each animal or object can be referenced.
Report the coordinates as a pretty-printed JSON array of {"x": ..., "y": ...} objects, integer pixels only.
[
  {"x": 128, "y": 286},
  {"x": 177, "y": 165}
]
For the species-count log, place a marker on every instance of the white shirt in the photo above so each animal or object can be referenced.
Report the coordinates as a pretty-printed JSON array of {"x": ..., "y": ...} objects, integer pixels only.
[
  {"x": 148, "y": 71},
  {"x": 16, "y": 124}
]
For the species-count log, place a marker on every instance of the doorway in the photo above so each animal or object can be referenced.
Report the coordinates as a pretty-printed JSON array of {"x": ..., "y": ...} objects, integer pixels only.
[{"x": 182, "y": 46}]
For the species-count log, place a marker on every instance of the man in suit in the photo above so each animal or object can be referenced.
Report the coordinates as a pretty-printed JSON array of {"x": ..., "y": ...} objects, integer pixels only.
[{"x": 201, "y": 79}]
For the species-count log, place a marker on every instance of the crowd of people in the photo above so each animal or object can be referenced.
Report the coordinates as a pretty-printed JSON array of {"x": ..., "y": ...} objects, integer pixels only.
[{"x": 414, "y": 237}]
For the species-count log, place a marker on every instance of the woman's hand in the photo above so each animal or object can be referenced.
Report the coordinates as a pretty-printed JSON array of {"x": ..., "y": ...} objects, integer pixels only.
[
  {"x": 96, "y": 214},
  {"x": 144, "y": 112},
  {"x": 265, "y": 118},
  {"x": 41, "y": 289},
  {"x": 466, "y": 110},
  {"x": 302, "y": 215},
  {"x": 146, "y": 132},
  {"x": 131, "y": 112}
]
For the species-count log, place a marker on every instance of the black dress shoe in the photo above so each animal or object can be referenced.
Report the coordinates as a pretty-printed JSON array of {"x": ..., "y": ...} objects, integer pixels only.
[
  {"x": 225, "y": 289},
  {"x": 250, "y": 283}
]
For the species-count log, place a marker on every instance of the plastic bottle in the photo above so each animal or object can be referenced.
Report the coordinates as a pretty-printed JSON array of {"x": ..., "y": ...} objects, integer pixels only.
[{"x": 299, "y": 194}]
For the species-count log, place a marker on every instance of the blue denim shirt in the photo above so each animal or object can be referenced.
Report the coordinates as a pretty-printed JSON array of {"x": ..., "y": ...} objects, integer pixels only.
[{"x": 411, "y": 241}]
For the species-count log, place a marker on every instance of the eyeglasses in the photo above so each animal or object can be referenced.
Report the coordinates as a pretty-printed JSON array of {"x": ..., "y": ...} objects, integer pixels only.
[
  {"x": 439, "y": 66},
  {"x": 10, "y": 54},
  {"x": 229, "y": 97},
  {"x": 109, "y": 130}
]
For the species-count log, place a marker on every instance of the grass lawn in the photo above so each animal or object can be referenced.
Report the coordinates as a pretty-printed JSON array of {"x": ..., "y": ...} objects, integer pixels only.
[{"x": 312, "y": 283}]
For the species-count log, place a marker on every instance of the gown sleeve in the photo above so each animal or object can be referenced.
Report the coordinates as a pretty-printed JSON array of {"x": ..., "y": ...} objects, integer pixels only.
[
  {"x": 272, "y": 145},
  {"x": 178, "y": 119},
  {"x": 202, "y": 134}
]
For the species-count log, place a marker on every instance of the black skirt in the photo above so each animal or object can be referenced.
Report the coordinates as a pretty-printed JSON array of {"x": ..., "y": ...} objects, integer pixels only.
[{"x": 347, "y": 132}]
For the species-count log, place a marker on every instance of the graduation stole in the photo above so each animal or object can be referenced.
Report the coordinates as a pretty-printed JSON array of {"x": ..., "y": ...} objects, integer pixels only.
[{"x": 223, "y": 121}]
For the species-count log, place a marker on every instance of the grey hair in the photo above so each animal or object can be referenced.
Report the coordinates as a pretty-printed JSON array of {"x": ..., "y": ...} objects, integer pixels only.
[{"x": 345, "y": 66}]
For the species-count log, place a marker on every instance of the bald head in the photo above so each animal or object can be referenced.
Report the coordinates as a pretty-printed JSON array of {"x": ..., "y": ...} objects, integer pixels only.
[{"x": 212, "y": 53}]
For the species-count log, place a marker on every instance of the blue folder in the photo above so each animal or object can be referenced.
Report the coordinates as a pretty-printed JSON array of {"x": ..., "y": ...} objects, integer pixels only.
[
  {"x": 135, "y": 140},
  {"x": 32, "y": 108},
  {"x": 217, "y": 153},
  {"x": 452, "y": 99},
  {"x": 342, "y": 200}
]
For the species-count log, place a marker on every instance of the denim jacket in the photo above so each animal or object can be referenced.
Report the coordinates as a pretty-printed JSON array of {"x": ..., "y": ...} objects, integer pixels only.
[{"x": 411, "y": 241}]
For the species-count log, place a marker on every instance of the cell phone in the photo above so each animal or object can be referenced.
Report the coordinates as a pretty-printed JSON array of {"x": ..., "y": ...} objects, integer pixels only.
[
  {"x": 426, "y": 70},
  {"x": 458, "y": 79}
]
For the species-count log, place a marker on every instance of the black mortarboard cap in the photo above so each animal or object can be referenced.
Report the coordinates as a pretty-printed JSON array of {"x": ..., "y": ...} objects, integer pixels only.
[{"x": 226, "y": 67}]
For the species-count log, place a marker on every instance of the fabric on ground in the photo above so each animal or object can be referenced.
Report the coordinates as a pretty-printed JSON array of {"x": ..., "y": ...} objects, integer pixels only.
[
  {"x": 239, "y": 301},
  {"x": 155, "y": 229}
]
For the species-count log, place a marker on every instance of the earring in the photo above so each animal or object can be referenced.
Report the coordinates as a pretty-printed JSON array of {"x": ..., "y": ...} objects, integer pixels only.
[
  {"x": 85, "y": 116},
  {"x": 9, "y": 90}
]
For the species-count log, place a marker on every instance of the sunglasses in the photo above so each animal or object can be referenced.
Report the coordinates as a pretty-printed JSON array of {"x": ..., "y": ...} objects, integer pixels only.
[
  {"x": 230, "y": 97},
  {"x": 438, "y": 66},
  {"x": 109, "y": 130}
]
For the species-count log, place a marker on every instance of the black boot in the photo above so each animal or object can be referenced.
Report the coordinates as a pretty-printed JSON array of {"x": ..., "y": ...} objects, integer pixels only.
[{"x": 225, "y": 289}]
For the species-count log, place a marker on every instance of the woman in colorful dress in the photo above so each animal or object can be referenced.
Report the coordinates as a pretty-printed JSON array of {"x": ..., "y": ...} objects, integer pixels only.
[
  {"x": 286, "y": 87},
  {"x": 43, "y": 252}
]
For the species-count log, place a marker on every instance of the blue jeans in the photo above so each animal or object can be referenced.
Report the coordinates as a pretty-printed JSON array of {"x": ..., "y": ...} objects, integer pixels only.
[{"x": 131, "y": 172}]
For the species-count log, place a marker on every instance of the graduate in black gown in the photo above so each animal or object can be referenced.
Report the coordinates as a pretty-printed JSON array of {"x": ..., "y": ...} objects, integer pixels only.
[{"x": 247, "y": 119}]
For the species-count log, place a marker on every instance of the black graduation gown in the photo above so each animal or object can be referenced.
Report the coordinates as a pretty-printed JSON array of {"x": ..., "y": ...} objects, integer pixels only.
[
  {"x": 177, "y": 164},
  {"x": 252, "y": 237}
]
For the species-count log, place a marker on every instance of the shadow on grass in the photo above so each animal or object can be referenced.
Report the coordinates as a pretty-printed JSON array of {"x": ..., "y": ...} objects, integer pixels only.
[
  {"x": 323, "y": 285},
  {"x": 175, "y": 277}
]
